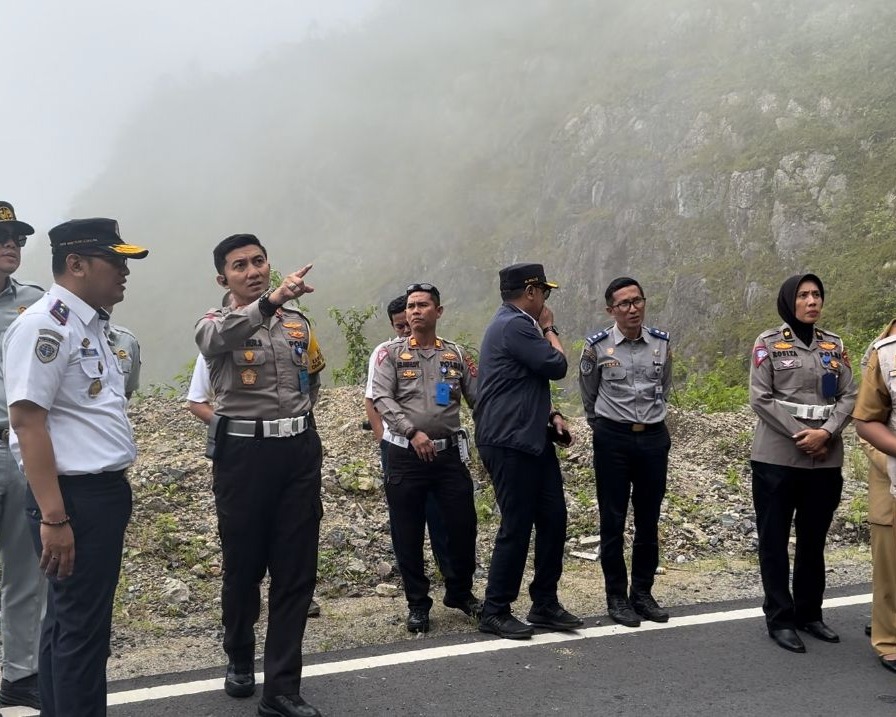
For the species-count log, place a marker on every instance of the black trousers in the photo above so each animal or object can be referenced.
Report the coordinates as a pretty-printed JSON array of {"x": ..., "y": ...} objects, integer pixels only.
[
  {"x": 267, "y": 496},
  {"x": 409, "y": 483},
  {"x": 74, "y": 644},
  {"x": 629, "y": 465},
  {"x": 435, "y": 524},
  {"x": 529, "y": 491},
  {"x": 806, "y": 497}
]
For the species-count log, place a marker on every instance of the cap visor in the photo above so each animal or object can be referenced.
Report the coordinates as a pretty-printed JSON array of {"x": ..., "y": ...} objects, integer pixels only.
[
  {"x": 551, "y": 285},
  {"x": 131, "y": 251},
  {"x": 18, "y": 228}
]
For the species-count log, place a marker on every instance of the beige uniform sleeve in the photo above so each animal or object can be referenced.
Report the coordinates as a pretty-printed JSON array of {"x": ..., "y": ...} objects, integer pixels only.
[{"x": 384, "y": 389}]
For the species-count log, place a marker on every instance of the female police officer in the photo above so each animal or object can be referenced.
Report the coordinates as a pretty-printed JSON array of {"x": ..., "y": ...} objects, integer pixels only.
[{"x": 802, "y": 389}]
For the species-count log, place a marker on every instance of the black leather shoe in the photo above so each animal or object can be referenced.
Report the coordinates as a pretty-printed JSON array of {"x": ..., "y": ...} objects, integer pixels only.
[
  {"x": 619, "y": 610},
  {"x": 553, "y": 617},
  {"x": 889, "y": 664},
  {"x": 788, "y": 639},
  {"x": 313, "y": 609},
  {"x": 22, "y": 692},
  {"x": 820, "y": 631},
  {"x": 418, "y": 619},
  {"x": 470, "y": 605},
  {"x": 647, "y": 607},
  {"x": 240, "y": 680},
  {"x": 286, "y": 706},
  {"x": 868, "y": 629},
  {"x": 506, "y": 626}
]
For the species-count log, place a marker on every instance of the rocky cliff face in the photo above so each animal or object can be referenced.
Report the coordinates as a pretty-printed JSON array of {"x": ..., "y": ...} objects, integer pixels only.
[{"x": 708, "y": 148}]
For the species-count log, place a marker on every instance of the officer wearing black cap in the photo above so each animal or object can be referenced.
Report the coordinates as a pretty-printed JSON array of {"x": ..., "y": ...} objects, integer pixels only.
[
  {"x": 71, "y": 436},
  {"x": 264, "y": 363},
  {"x": 520, "y": 355},
  {"x": 625, "y": 374},
  {"x": 24, "y": 587}
]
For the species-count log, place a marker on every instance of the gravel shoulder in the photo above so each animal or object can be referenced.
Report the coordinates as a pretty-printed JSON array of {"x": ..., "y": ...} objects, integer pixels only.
[{"x": 167, "y": 613}]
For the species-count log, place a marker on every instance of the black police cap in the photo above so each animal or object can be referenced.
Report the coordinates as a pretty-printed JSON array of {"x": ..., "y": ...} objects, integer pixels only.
[
  {"x": 519, "y": 276},
  {"x": 91, "y": 237},
  {"x": 9, "y": 223}
]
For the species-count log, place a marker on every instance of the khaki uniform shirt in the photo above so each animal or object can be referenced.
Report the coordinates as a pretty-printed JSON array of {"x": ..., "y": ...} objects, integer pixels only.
[
  {"x": 126, "y": 348},
  {"x": 875, "y": 403},
  {"x": 14, "y": 299},
  {"x": 785, "y": 369},
  {"x": 405, "y": 381},
  {"x": 255, "y": 361},
  {"x": 624, "y": 380}
]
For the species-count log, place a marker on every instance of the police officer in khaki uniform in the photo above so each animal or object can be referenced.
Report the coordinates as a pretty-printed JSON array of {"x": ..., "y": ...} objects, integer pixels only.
[
  {"x": 264, "y": 364},
  {"x": 127, "y": 349},
  {"x": 23, "y": 587},
  {"x": 418, "y": 382},
  {"x": 875, "y": 417},
  {"x": 625, "y": 374},
  {"x": 802, "y": 390}
]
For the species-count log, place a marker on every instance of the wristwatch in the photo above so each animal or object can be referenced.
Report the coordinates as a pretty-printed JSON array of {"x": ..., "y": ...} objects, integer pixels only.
[
  {"x": 551, "y": 329},
  {"x": 265, "y": 305}
]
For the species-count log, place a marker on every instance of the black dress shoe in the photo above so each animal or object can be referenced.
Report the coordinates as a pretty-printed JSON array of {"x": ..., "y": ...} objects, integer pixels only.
[
  {"x": 553, "y": 617},
  {"x": 313, "y": 609},
  {"x": 819, "y": 630},
  {"x": 868, "y": 629},
  {"x": 788, "y": 639},
  {"x": 620, "y": 610},
  {"x": 470, "y": 605},
  {"x": 23, "y": 692},
  {"x": 418, "y": 619},
  {"x": 506, "y": 626},
  {"x": 240, "y": 680},
  {"x": 286, "y": 706},
  {"x": 889, "y": 664},
  {"x": 647, "y": 607}
]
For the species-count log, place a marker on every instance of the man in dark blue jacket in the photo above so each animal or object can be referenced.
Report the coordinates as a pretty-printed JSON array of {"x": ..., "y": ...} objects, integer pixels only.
[{"x": 520, "y": 355}]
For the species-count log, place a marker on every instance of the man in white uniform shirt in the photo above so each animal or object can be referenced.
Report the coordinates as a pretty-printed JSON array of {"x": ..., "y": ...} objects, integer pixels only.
[{"x": 71, "y": 436}]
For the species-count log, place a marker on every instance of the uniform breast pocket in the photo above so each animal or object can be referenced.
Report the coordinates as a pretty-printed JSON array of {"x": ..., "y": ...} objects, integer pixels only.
[
  {"x": 410, "y": 382},
  {"x": 249, "y": 357},
  {"x": 92, "y": 367},
  {"x": 613, "y": 375},
  {"x": 125, "y": 364},
  {"x": 787, "y": 364}
]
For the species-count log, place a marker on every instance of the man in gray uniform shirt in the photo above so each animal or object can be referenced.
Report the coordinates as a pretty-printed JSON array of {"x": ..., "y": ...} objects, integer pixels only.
[
  {"x": 625, "y": 374},
  {"x": 24, "y": 588}
]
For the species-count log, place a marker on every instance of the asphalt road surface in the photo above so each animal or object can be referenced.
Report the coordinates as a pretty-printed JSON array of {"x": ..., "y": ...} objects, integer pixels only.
[{"x": 710, "y": 659}]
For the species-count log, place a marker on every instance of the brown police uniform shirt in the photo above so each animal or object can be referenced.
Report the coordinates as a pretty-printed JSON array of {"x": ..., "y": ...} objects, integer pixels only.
[
  {"x": 405, "y": 381},
  {"x": 785, "y": 369},
  {"x": 255, "y": 361},
  {"x": 874, "y": 403}
]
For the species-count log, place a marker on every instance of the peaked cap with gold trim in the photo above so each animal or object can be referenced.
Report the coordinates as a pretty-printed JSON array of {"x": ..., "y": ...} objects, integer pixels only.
[
  {"x": 9, "y": 223},
  {"x": 93, "y": 237}
]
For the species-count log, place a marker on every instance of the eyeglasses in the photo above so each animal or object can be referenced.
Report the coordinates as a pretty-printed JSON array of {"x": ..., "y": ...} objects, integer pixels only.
[
  {"x": 546, "y": 290},
  {"x": 17, "y": 238},
  {"x": 428, "y": 288},
  {"x": 627, "y": 304}
]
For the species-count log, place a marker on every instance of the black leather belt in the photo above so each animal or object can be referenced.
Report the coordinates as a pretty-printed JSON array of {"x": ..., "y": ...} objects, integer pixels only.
[{"x": 633, "y": 427}]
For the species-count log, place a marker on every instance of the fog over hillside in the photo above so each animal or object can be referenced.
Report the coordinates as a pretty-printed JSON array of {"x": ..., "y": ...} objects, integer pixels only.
[{"x": 707, "y": 148}]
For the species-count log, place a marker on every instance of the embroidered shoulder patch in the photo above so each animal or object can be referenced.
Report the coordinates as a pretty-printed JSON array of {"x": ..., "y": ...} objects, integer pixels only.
[
  {"x": 760, "y": 354},
  {"x": 46, "y": 349},
  {"x": 664, "y": 335}
]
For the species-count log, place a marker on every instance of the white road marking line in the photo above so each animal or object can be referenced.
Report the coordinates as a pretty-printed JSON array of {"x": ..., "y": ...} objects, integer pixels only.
[{"x": 147, "y": 694}]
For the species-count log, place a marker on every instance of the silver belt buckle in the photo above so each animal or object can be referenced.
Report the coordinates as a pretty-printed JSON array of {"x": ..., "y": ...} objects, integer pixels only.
[{"x": 285, "y": 427}]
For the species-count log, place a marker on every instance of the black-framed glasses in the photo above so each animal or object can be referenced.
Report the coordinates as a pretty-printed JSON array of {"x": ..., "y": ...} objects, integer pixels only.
[
  {"x": 637, "y": 302},
  {"x": 428, "y": 288}
]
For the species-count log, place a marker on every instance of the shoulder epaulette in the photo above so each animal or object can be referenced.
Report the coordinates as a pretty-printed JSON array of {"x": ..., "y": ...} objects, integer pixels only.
[
  {"x": 599, "y": 336},
  {"x": 29, "y": 284},
  {"x": 657, "y": 333},
  {"x": 769, "y": 333},
  {"x": 884, "y": 341},
  {"x": 59, "y": 311}
]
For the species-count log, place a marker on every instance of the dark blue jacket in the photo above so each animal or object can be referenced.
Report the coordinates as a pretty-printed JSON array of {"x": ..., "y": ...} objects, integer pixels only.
[{"x": 516, "y": 366}]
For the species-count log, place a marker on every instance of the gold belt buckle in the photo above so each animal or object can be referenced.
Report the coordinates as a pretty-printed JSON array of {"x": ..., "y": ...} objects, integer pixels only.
[{"x": 638, "y": 427}]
